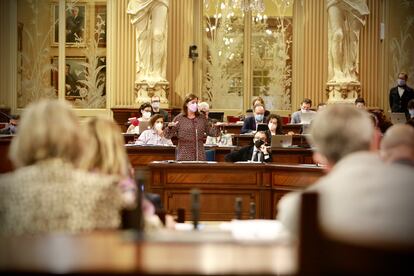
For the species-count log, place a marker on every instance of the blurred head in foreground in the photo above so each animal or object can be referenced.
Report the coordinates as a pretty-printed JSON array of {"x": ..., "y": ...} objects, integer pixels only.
[
  {"x": 340, "y": 130},
  {"x": 397, "y": 145},
  {"x": 48, "y": 129}
]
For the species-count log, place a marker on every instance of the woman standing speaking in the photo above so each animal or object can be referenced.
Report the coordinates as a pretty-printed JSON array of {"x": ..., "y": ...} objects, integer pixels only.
[{"x": 190, "y": 127}]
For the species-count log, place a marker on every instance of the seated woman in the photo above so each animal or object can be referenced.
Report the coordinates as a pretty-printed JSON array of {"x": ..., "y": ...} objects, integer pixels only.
[
  {"x": 274, "y": 123},
  {"x": 48, "y": 192},
  {"x": 146, "y": 112},
  {"x": 155, "y": 135},
  {"x": 107, "y": 155}
]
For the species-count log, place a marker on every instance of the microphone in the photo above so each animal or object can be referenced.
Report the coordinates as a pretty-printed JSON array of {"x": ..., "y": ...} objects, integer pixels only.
[
  {"x": 195, "y": 207},
  {"x": 238, "y": 207},
  {"x": 196, "y": 131}
]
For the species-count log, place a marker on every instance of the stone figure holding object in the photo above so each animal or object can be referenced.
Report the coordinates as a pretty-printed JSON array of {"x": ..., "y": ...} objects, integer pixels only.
[{"x": 346, "y": 18}]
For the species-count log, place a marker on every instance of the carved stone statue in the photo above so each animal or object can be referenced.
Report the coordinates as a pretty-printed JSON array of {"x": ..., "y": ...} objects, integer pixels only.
[
  {"x": 345, "y": 20},
  {"x": 150, "y": 18}
]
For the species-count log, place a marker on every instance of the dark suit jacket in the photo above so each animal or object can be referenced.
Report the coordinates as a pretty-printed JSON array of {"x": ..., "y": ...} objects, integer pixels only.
[
  {"x": 164, "y": 114},
  {"x": 249, "y": 125},
  {"x": 244, "y": 154},
  {"x": 399, "y": 104}
]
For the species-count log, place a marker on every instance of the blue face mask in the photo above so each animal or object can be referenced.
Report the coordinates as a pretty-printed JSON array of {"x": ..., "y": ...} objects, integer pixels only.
[
  {"x": 400, "y": 82},
  {"x": 258, "y": 117}
]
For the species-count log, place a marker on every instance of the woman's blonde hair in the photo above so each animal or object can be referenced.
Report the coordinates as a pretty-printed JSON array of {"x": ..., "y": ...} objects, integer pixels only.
[
  {"x": 48, "y": 129},
  {"x": 106, "y": 151}
]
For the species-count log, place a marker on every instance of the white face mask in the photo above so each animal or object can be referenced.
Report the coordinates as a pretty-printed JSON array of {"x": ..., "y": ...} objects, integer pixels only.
[
  {"x": 146, "y": 114},
  {"x": 272, "y": 127},
  {"x": 411, "y": 111},
  {"x": 158, "y": 126}
]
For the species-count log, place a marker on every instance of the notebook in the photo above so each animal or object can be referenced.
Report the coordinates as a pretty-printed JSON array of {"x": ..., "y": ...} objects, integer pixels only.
[
  {"x": 306, "y": 117},
  {"x": 281, "y": 141},
  {"x": 398, "y": 118}
]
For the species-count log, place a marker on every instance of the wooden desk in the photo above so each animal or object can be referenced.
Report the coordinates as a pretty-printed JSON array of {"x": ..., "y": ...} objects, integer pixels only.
[
  {"x": 222, "y": 183},
  {"x": 242, "y": 140},
  {"x": 130, "y": 137},
  {"x": 292, "y": 155},
  {"x": 143, "y": 155},
  {"x": 112, "y": 253},
  {"x": 232, "y": 128}
]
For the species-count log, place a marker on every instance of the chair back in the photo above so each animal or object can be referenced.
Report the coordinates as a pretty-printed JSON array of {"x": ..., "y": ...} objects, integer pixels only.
[{"x": 320, "y": 254}]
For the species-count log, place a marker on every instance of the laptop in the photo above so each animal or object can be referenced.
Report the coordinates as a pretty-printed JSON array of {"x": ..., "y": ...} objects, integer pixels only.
[
  {"x": 281, "y": 141},
  {"x": 219, "y": 116},
  {"x": 306, "y": 117},
  {"x": 143, "y": 125},
  {"x": 398, "y": 118}
]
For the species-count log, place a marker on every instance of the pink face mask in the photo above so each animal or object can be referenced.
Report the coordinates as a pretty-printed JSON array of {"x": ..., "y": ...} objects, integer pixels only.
[{"x": 192, "y": 107}]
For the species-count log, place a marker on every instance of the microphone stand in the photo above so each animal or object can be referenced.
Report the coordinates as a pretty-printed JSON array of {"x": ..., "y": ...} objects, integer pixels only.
[{"x": 196, "y": 131}]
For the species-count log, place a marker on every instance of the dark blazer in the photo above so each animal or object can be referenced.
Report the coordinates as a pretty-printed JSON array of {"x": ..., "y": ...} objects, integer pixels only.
[
  {"x": 399, "y": 104},
  {"x": 164, "y": 114},
  {"x": 249, "y": 125},
  {"x": 244, "y": 154}
]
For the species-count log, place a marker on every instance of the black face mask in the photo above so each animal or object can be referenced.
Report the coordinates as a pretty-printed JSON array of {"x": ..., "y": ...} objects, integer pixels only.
[{"x": 258, "y": 143}]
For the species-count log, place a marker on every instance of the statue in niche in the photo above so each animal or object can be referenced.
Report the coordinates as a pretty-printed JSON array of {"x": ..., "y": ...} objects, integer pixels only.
[
  {"x": 150, "y": 19},
  {"x": 346, "y": 18}
]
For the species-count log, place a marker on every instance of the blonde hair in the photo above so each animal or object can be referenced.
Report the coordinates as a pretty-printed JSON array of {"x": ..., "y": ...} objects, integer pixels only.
[
  {"x": 106, "y": 152},
  {"x": 48, "y": 129},
  {"x": 341, "y": 129}
]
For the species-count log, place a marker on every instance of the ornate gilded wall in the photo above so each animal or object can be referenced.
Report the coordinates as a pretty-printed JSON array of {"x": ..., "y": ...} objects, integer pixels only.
[{"x": 380, "y": 59}]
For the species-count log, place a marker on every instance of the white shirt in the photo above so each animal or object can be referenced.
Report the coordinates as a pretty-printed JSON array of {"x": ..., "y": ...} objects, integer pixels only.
[
  {"x": 400, "y": 91},
  {"x": 151, "y": 137}
]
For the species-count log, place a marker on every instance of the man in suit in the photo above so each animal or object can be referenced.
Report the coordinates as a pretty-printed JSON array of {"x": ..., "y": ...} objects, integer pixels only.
[
  {"x": 250, "y": 123},
  {"x": 74, "y": 26},
  {"x": 401, "y": 95},
  {"x": 305, "y": 107},
  {"x": 256, "y": 152},
  {"x": 155, "y": 103}
]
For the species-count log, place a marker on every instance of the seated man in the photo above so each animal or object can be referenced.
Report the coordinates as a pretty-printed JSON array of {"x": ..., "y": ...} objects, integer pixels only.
[
  {"x": 250, "y": 123},
  {"x": 305, "y": 107},
  {"x": 362, "y": 199},
  {"x": 155, "y": 103},
  {"x": 397, "y": 145},
  {"x": 257, "y": 152},
  {"x": 11, "y": 127}
]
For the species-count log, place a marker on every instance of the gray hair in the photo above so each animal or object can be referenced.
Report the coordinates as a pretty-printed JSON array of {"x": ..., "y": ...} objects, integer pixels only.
[
  {"x": 203, "y": 106},
  {"x": 339, "y": 130}
]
